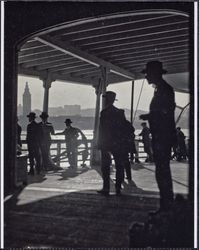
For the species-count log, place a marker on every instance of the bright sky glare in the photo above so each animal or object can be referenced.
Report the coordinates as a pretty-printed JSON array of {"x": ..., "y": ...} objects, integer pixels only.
[{"x": 67, "y": 94}]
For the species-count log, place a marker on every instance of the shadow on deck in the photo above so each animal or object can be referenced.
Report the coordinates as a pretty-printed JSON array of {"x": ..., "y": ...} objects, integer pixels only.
[{"x": 62, "y": 209}]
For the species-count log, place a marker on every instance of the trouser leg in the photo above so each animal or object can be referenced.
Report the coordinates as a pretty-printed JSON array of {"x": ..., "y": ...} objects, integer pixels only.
[
  {"x": 105, "y": 168},
  {"x": 69, "y": 155},
  {"x": 163, "y": 176},
  {"x": 37, "y": 153},
  {"x": 44, "y": 156},
  {"x": 127, "y": 166},
  {"x": 74, "y": 157},
  {"x": 164, "y": 181},
  {"x": 31, "y": 158},
  {"x": 119, "y": 165}
]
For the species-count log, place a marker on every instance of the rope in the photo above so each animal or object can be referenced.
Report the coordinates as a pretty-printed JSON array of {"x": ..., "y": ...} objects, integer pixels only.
[
  {"x": 182, "y": 110},
  {"x": 138, "y": 100}
]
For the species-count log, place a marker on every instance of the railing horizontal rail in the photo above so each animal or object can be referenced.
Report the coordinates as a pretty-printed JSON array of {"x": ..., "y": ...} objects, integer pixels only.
[{"x": 58, "y": 146}]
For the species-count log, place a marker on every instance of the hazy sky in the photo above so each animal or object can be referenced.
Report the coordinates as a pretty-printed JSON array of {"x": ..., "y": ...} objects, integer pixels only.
[{"x": 67, "y": 93}]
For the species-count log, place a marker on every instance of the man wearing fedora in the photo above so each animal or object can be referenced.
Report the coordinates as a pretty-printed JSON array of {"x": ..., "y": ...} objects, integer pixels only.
[
  {"x": 162, "y": 127},
  {"x": 71, "y": 137},
  {"x": 145, "y": 133},
  {"x": 46, "y": 131},
  {"x": 33, "y": 142},
  {"x": 111, "y": 130}
]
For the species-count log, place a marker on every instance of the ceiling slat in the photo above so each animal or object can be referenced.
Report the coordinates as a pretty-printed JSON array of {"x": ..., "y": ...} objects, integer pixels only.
[{"x": 66, "y": 48}]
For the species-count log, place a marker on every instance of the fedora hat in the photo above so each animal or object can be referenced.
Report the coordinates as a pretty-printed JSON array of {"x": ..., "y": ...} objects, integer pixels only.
[
  {"x": 154, "y": 66},
  {"x": 44, "y": 115},
  {"x": 68, "y": 121},
  {"x": 110, "y": 95},
  {"x": 31, "y": 114}
]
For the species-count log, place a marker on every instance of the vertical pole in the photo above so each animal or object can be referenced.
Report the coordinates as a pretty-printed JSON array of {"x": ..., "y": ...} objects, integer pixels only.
[
  {"x": 97, "y": 108},
  {"x": 95, "y": 154},
  {"x": 46, "y": 98},
  {"x": 104, "y": 72},
  {"x": 46, "y": 84},
  {"x": 132, "y": 100}
]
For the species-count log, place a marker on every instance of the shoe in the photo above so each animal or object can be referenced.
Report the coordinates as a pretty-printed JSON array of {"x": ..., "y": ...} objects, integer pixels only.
[{"x": 103, "y": 192}]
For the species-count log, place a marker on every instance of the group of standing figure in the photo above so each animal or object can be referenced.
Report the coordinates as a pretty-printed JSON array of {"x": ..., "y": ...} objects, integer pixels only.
[
  {"x": 179, "y": 149},
  {"x": 39, "y": 141},
  {"x": 116, "y": 138},
  {"x": 113, "y": 130}
]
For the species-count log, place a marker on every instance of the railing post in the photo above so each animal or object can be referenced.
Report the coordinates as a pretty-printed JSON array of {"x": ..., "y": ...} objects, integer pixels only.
[{"x": 58, "y": 152}]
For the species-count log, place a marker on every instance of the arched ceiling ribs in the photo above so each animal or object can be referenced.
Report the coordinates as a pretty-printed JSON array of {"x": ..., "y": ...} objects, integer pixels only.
[
  {"x": 82, "y": 55},
  {"x": 121, "y": 42}
]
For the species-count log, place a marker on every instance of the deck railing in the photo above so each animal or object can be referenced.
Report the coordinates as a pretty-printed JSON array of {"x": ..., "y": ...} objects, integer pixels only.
[{"x": 58, "y": 147}]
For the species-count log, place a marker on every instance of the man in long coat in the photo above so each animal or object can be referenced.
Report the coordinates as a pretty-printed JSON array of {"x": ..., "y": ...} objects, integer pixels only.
[
  {"x": 162, "y": 127},
  {"x": 46, "y": 131},
  {"x": 33, "y": 142},
  {"x": 111, "y": 125}
]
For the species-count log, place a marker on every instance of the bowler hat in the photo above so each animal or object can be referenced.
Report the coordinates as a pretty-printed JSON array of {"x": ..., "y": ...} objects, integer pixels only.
[
  {"x": 44, "y": 115},
  {"x": 154, "y": 66},
  {"x": 110, "y": 94},
  {"x": 68, "y": 121},
  {"x": 31, "y": 114}
]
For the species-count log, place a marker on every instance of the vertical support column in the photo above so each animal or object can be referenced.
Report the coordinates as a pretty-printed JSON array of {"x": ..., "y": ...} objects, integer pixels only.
[
  {"x": 46, "y": 84},
  {"x": 95, "y": 157},
  {"x": 132, "y": 100},
  {"x": 101, "y": 89},
  {"x": 104, "y": 72}
]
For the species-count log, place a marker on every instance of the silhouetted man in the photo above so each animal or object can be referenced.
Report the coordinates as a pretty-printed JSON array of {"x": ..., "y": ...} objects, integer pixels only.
[
  {"x": 71, "y": 138},
  {"x": 109, "y": 142},
  {"x": 145, "y": 133},
  {"x": 33, "y": 142},
  {"x": 162, "y": 127},
  {"x": 46, "y": 131}
]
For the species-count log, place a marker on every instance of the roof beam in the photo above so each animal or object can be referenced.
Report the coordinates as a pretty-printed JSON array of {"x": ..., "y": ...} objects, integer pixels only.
[
  {"x": 98, "y": 28},
  {"x": 35, "y": 51},
  {"x": 171, "y": 43},
  {"x": 47, "y": 55},
  {"x": 155, "y": 57},
  {"x": 157, "y": 49},
  {"x": 82, "y": 55},
  {"x": 59, "y": 63},
  {"x": 152, "y": 54},
  {"x": 56, "y": 77},
  {"x": 135, "y": 37},
  {"x": 131, "y": 30},
  {"x": 71, "y": 68},
  {"x": 31, "y": 72},
  {"x": 42, "y": 61},
  {"x": 139, "y": 42}
]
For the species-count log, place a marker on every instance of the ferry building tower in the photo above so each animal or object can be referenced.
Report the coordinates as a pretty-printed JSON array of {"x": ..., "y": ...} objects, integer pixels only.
[{"x": 26, "y": 101}]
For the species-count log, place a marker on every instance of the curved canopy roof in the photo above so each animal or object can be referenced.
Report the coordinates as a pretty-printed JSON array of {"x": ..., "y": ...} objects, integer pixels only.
[{"x": 122, "y": 43}]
